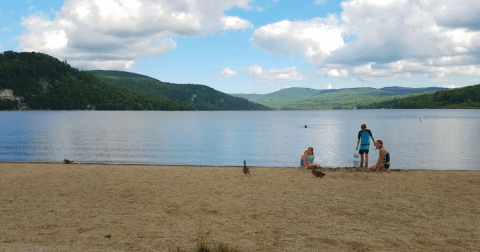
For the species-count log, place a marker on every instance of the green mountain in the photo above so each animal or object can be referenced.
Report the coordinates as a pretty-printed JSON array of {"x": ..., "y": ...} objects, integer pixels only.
[
  {"x": 404, "y": 90},
  {"x": 463, "y": 98},
  {"x": 200, "y": 96},
  {"x": 306, "y": 98},
  {"x": 287, "y": 93},
  {"x": 39, "y": 81}
]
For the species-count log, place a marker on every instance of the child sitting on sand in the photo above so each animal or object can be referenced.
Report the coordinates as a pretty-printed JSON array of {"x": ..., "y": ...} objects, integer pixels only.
[
  {"x": 383, "y": 162},
  {"x": 307, "y": 159}
]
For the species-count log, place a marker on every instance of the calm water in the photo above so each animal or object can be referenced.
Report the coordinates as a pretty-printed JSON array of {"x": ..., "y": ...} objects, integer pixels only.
[{"x": 444, "y": 140}]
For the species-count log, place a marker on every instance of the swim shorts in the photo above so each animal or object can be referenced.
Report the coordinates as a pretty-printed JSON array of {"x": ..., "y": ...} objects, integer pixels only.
[
  {"x": 364, "y": 148},
  {"x": 361, "y": 151}
]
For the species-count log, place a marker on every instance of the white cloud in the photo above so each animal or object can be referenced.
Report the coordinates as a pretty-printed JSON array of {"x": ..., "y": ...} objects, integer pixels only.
[
  {"x": 103, "y": 64},
  {"x": 451, "y": 86},
  {"x": 320, "y": 2},
  {"x": 235, "y": 23},
  {"x": 316, "y": 39},
  {"x": 452, "y": 14},
  {"x": 336, "y": 72},
  {"x": 407, "y": 68},
  {"x": 113, "y": 33},
  {"x": 226, "y": 73},
  {"x": 384, "y": 39},
  {"x": 329, "y": 86},
  {"x": 273, "y": 76}
]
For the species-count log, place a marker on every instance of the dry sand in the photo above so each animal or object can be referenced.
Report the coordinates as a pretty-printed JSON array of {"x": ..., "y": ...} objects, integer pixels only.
[{"x": 59, "y": 207}]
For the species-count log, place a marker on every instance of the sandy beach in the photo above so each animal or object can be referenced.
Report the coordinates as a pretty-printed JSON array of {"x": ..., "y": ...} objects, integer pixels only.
[{"x": 73, "y": 207}]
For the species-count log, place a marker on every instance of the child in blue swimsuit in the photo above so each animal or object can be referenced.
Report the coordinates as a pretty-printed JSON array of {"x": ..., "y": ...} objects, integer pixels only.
[
  {"x": 307, "y": 159},
  {"x": 364, "y": 135}
]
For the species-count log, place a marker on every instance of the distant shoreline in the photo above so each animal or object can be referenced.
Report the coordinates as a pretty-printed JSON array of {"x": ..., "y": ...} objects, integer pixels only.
[
  {"x": 327, "y": 168},
  {"x": 453, "y": 108}
]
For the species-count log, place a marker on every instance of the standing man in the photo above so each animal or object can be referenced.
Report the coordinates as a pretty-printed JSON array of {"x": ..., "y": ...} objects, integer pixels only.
[{"x": 365, "y": 135}]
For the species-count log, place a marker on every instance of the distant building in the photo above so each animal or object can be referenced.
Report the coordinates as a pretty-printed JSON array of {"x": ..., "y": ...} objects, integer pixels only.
[
  {"x": 22, "y": 106},
  {"x": 8, "y": 94}
]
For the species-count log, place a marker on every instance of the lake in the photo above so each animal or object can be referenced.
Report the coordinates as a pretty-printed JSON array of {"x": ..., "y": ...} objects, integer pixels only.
[{"x": 443, "y": 140}]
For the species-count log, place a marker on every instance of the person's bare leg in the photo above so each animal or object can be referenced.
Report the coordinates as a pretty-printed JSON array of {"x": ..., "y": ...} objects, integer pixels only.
[
  {"x": 361, "y": 161},
  {"x": 366, "y": 160}
]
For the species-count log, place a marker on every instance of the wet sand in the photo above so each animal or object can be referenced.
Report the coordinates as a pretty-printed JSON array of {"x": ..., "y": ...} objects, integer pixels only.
[{"x": 60, "y": 207}]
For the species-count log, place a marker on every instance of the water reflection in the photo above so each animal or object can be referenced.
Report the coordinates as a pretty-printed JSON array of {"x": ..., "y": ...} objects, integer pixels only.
[
  {"x": 457, "y": 138},
  {"x": 445, "y": 139}
]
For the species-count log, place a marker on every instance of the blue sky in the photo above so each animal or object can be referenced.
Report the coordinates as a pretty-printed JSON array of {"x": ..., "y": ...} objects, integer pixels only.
[{"x": 247, "y": 46}]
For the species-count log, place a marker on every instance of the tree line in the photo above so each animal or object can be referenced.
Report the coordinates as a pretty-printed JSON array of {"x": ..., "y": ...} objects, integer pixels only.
[
  {"x": 200, "y": 96},
  {"x": 47, "y": 83},
  {"x": 466, "y": 97}
]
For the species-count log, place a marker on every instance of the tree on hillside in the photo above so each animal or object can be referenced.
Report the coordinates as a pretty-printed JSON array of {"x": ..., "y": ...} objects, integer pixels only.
[{"x": 47, "y": 83}]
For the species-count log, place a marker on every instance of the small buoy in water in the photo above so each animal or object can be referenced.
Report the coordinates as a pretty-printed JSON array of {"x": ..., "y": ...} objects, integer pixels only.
[{"x": 305, "y": 126}]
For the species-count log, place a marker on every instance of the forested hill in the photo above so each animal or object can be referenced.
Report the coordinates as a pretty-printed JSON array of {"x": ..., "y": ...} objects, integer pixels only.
[
  {"x": 39, "y": 81},
  {"x": 202, "y": 97},
  {"x": 463, "y": 98},
  {"x": 405, "y": 90},
  {"x": 348, "y": 98}
]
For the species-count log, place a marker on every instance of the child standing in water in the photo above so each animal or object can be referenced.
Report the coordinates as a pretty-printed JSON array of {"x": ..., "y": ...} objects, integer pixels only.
[
  {"x": 364, "y": 135},
  {"x": 383, "y": 162}
]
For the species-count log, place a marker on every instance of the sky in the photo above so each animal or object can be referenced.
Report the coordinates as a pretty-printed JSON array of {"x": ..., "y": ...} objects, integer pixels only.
[{"x": 250, "y": 46}]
